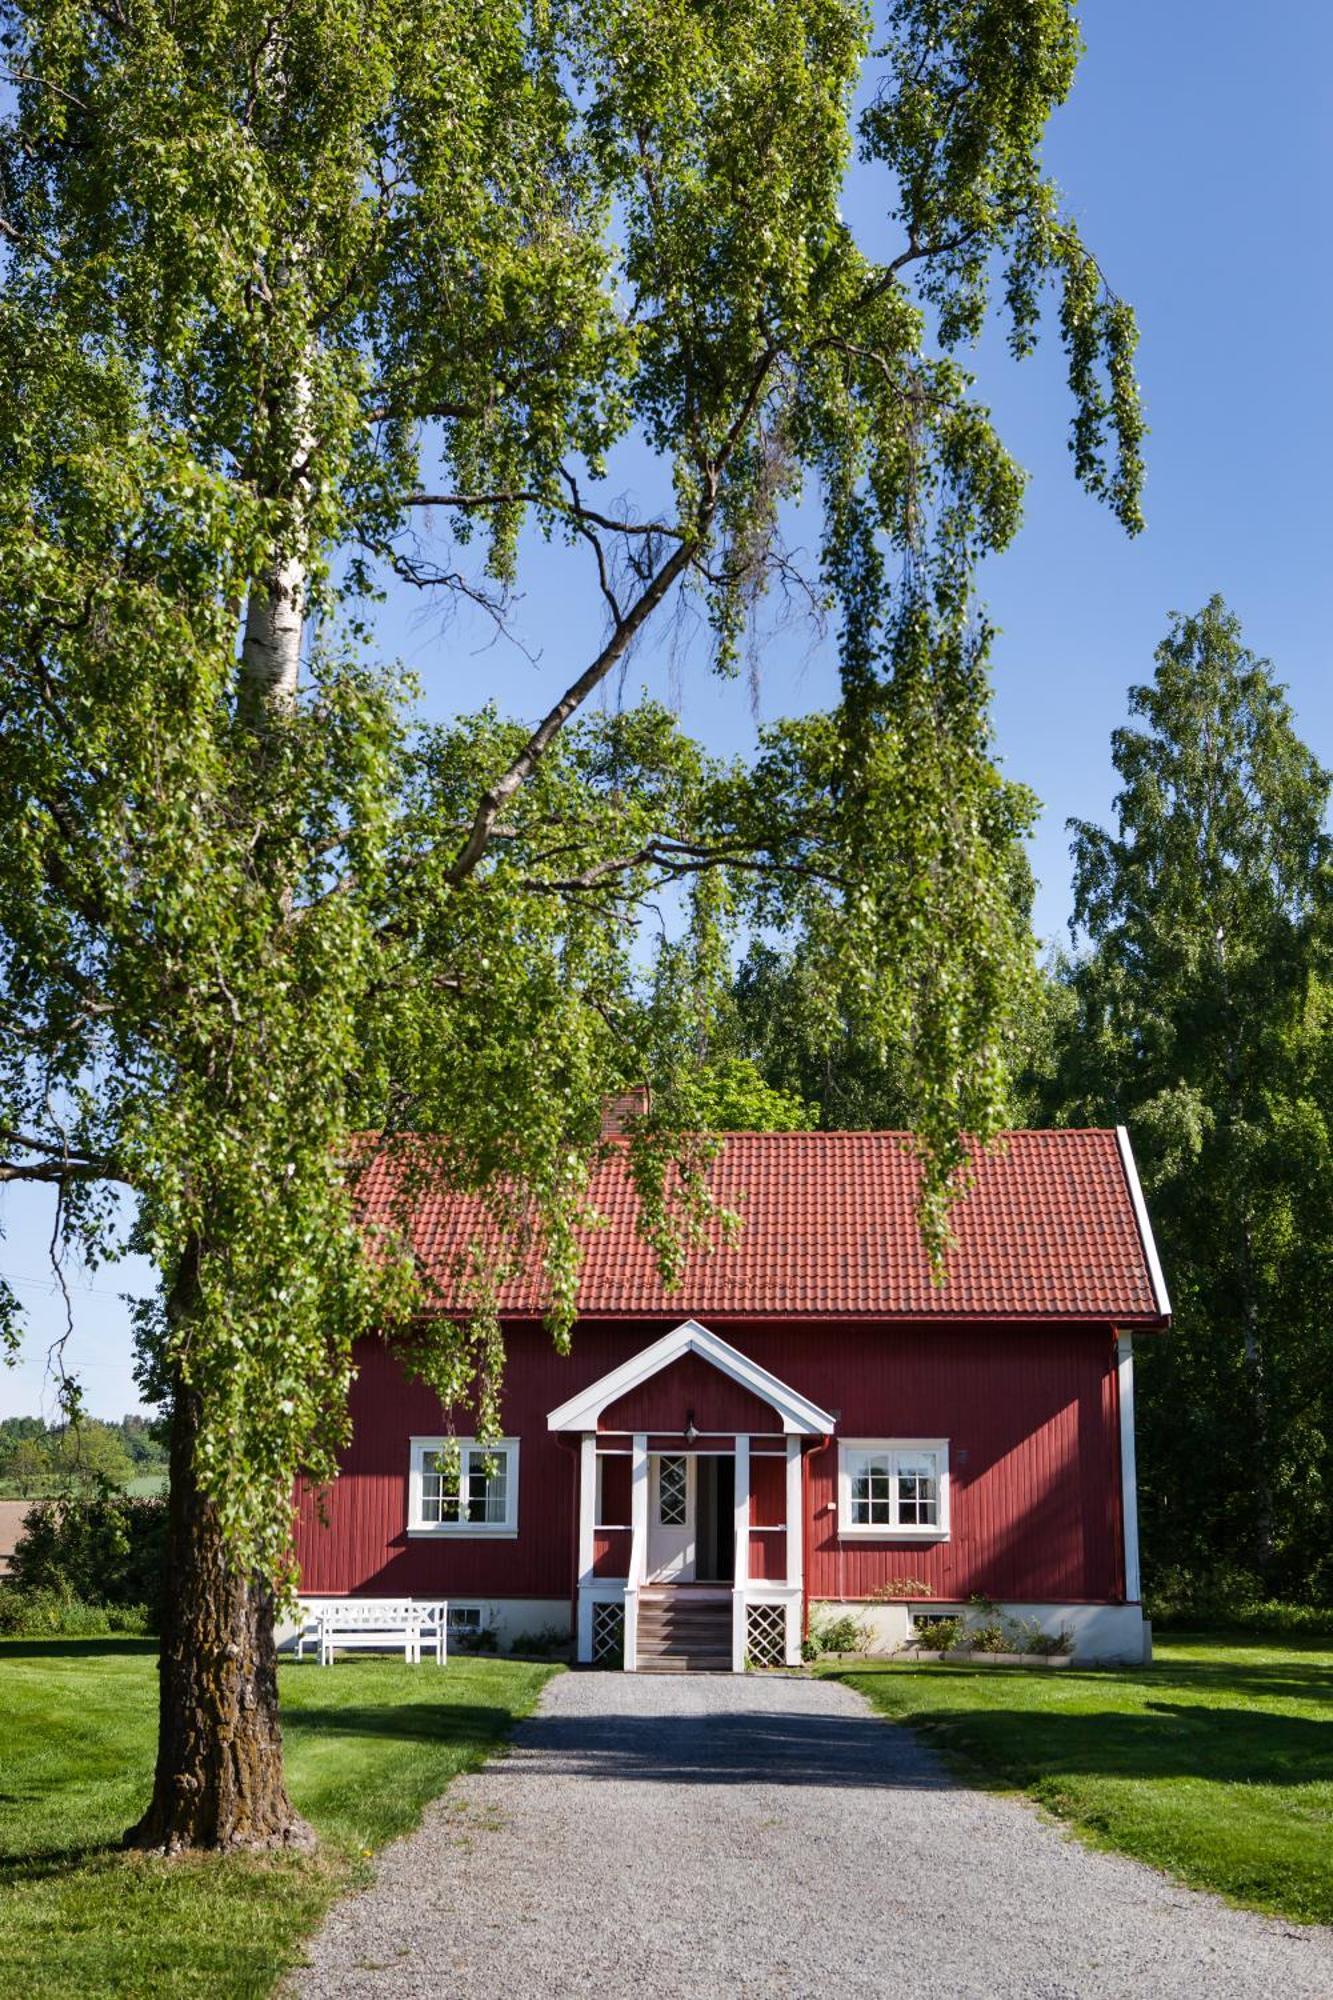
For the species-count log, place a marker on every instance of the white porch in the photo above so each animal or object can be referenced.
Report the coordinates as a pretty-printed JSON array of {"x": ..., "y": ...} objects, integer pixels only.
[{"x": 638, "y": 1564}]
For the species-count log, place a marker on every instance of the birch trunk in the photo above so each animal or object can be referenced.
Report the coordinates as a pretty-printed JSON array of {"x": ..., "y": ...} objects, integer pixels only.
[
  {"x": 219, "y": 1780},
  {"x": 271, "y": 648},
  {"x": 275, "y": 614}
]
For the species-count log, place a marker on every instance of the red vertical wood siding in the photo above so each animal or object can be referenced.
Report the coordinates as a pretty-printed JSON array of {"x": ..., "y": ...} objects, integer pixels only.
[
  {"x": 665, "y": 1401},
  {"x": 1030, "y": 1413},
  {"x": 610, "y": 1552},
  {"x": 768, "y": 1557},
  {"x": 615, "y": 1489},
  {"x": 768, "y": 1492}
]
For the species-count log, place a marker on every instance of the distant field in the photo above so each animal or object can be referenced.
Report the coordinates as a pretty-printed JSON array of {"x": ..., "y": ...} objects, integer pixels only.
[{"x": 146, "y": 1487}]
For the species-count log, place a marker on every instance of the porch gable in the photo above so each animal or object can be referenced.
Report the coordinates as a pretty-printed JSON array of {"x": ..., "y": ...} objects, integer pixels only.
[{"x": 795, "y": 1414}]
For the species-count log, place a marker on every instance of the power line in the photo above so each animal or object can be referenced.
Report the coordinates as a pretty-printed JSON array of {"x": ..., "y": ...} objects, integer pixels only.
[{"x": 49, "y": 1285}]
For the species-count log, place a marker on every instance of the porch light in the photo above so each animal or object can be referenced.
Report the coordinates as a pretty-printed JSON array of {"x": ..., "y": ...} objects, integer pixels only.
[{"x": 690, "y": 1432}]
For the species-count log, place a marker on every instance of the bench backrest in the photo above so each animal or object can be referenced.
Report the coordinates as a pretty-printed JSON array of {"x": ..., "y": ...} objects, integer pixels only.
[{"x": 358, "y": 1613}]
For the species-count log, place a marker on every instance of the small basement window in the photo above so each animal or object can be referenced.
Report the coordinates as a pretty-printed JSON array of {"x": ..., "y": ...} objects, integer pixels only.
[
  {"x": 926, "y": 1624},
  {"x": 895, "y": 1489},
  {"x": 476, "y": 1495}
]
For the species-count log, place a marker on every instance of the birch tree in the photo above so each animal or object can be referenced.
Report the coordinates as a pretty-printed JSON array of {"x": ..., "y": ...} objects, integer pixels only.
[{"x": 283, "y": 283}]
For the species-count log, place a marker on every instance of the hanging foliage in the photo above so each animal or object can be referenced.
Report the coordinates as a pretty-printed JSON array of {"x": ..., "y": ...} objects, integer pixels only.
[{"x": 281, "y": 286}]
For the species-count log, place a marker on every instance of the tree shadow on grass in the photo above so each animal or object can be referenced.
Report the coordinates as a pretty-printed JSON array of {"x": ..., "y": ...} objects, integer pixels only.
[
  {"x": 112, "y": 1643},
  {"x": 1284, "y": 1680},
  {"x": 418, "y": 1721},
  {"x": 1286, "y": 1677},
  {"x": 44, "y": 1864},
  {"x": 1163, "y": 1740}
]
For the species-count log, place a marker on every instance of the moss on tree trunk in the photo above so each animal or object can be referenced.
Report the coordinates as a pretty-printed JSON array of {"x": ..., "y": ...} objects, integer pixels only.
[{"x": 219, "y": 1779}]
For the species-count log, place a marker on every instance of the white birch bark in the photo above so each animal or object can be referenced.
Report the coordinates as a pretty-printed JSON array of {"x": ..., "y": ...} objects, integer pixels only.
[
  {"x": 276, "y": 612},
  {"x": 274, "y": 626}
]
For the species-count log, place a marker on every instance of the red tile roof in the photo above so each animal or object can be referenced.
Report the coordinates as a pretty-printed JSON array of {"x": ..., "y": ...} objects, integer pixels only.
[{"x": 1048, "y": 1231}]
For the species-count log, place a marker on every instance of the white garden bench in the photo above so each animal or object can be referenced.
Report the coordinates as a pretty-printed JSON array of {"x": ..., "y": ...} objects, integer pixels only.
[{"x": 374, "y": 1624}]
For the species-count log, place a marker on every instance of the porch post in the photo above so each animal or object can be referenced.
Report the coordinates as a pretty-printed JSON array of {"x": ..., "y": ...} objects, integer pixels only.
[
  {"x": 638, "y": 1510},
  {"x": 587, "y": 1521},
  {"x": 742, "y": 1572},
  {"x": 795, "y": 1549},
  {"x": 638, "y": 1547}
]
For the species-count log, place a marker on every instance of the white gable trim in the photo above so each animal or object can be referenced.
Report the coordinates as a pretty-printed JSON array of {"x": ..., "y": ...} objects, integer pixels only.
[
  {"x": 1141, "y": 1217},
  {"x": 799, "y": 1416}
]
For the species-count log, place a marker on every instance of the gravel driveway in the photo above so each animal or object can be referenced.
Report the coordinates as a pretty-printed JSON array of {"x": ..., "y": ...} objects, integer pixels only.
[{"x": 711, "y": 1836}]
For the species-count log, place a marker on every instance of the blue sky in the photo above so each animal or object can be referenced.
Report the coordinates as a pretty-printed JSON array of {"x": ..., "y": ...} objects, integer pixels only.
[{"x": 1197, "y": 154}]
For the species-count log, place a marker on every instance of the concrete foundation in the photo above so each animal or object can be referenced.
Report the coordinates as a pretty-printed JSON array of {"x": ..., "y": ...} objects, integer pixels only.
[{"x": 1114, "y": 1634}]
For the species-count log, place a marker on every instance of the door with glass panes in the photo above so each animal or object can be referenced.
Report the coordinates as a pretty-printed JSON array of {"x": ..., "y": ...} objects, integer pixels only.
[{"x": 671, "y": 1516}]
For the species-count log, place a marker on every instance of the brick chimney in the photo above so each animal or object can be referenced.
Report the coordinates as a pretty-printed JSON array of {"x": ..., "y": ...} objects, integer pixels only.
[{"x": 625, "y": 1105}]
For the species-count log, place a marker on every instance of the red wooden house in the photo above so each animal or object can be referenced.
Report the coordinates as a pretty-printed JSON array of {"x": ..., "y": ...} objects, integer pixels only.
[{"x": 808, "y": 1422}]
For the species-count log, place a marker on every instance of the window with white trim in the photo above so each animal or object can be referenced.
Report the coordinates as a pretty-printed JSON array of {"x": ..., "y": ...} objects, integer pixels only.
[
  {"x": 895, "y": 1489},
  {"x": 471, "y": 1490}
]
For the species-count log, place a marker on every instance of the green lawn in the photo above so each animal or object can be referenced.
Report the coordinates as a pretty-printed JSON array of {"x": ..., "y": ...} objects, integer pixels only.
[
  {"x": 368, "y": 1743},
  {"x": 1215, "y": 1763}
]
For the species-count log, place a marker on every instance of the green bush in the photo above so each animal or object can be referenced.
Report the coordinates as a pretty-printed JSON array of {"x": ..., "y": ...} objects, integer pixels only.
[
  {"x": 1048, "y": 1645},
  {"x": 98, "y": 1548},
  {"x": 1222, "y": 1591},
  {"x": 936, "y": 1635},
  {"x": 840, "y": 1635},
  {"x": 550, "y": 1642},
  {"x": 1265, "y": 1619},
  {"x": 47, "y": 1614},
  {"x": 1224, "y": 1598}
]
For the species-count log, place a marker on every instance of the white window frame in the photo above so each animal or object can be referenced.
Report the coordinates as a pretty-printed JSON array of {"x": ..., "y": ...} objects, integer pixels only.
[
  {"x": 891, "y": 1531},
  {"x": 489, "y": 1531}
]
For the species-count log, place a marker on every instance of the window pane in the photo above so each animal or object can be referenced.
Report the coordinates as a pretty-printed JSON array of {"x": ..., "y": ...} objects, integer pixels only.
[
  {"x": 672, "y": 1491},
  {"x": 918, "y": 1490},
  {"x": 432, "y": 1486},
  {"x": 471, "y": 1495},
  {"x": 871, "y": 1490},
  {"x": 487, "y": 1495}
]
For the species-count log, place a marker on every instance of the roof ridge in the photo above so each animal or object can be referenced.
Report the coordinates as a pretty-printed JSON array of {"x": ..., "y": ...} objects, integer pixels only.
[{"x": 888, "y": 1132}]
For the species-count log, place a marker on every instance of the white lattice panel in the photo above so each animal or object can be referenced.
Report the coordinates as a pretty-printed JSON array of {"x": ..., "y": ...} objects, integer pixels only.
[
  {"x": 608, "y": 1634},
  {"x": 766, "y": 1634}
]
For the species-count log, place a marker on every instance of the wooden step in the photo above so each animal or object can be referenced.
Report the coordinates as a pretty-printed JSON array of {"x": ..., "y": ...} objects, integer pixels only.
[
  {"x": 652, "y": 1652},
  {"x": 682, "y": 1622},
  {"x": 714, "y": 1635},
  {"x": 685, "y": 1593},
  {"x": 684, "y": 1629},
  {"x": 702, "y": 1621},
  {"x": 679, "y": 1663}
]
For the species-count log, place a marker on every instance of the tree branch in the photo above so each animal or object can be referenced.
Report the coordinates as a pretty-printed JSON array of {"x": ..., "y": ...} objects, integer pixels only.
[
  {"x": 498, "y": 795},
  {"x": 56, "y": 1162},
  {"x": 625, "y": 628},
  {"x": 527, "y": 497},
  {"x": 676, "y": 858}
]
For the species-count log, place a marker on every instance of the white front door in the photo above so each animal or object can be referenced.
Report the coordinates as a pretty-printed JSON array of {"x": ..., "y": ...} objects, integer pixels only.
[{"x": 671, "y": 1493}]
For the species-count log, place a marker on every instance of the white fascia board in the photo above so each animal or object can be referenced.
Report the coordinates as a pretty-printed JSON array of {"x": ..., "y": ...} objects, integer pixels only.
[
  {"x": 799, "y": 1415},
  {"x": 1129, "y": 1478},
  {"x": 1141, "y": 1217}
]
